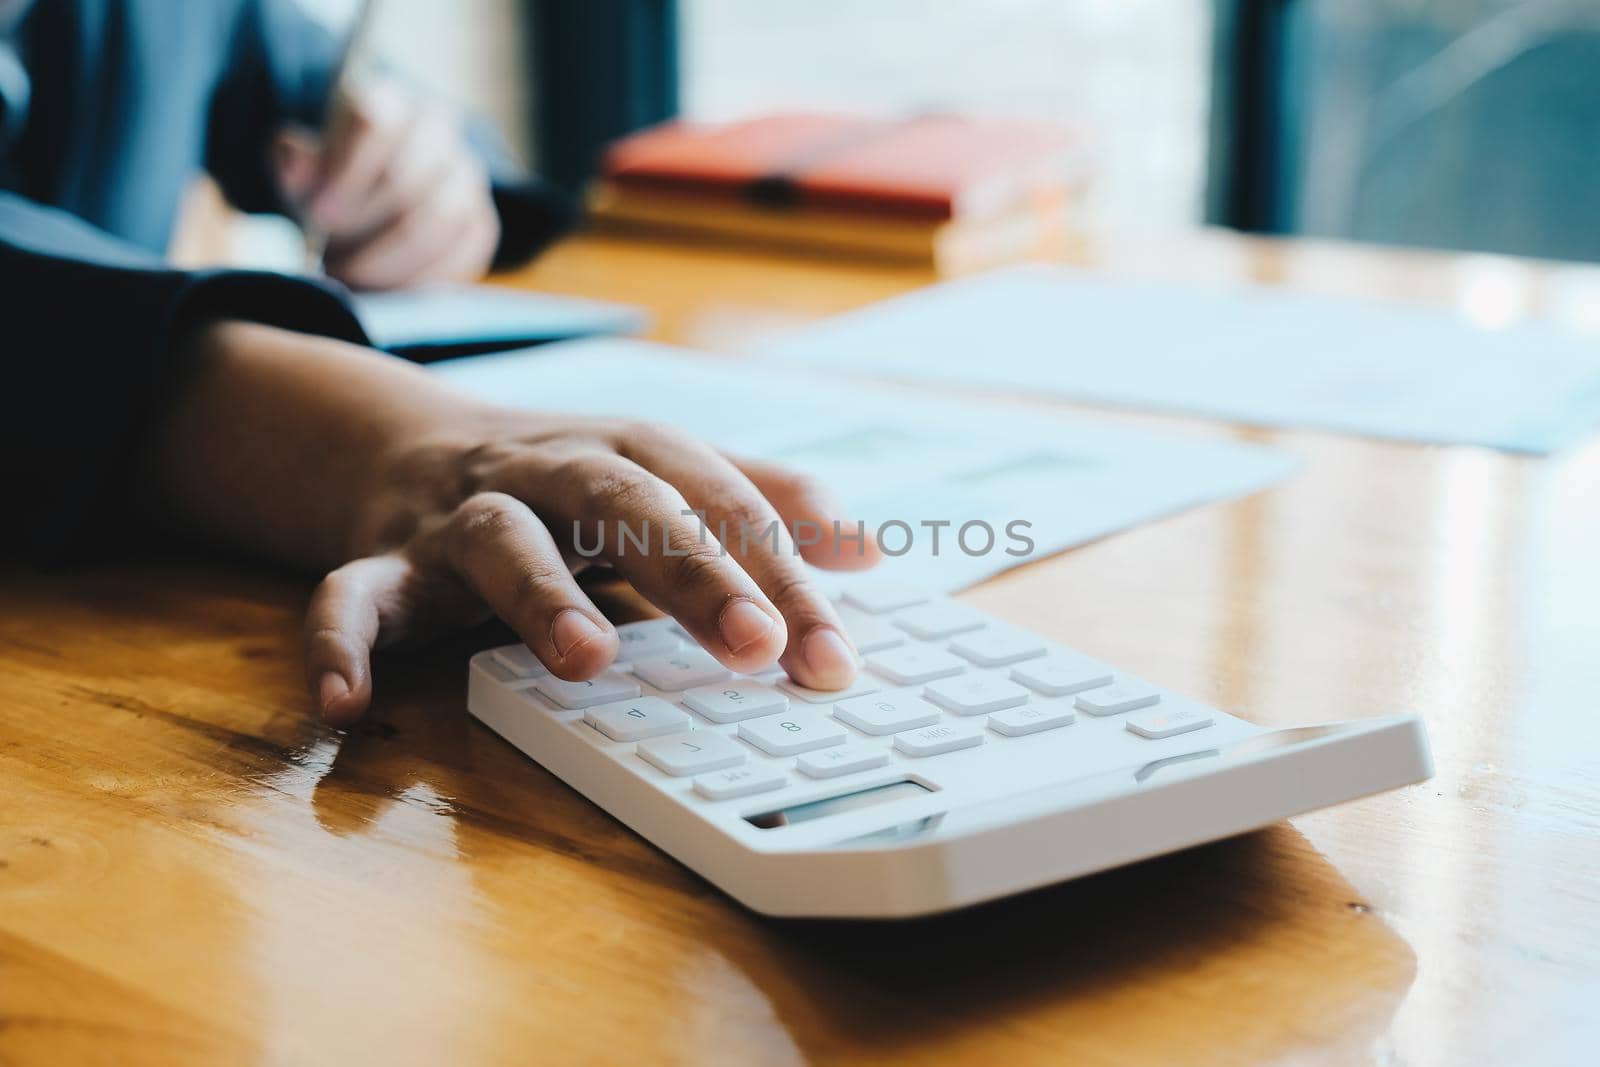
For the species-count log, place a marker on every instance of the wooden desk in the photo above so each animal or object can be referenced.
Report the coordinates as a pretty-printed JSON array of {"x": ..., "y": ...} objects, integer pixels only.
[{"x": 192, "y": 870}]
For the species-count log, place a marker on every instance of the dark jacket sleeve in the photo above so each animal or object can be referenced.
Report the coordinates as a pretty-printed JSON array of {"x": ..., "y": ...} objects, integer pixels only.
[
  {"x": 281, "y": 72},
  {"x": 88, "y": 325}
]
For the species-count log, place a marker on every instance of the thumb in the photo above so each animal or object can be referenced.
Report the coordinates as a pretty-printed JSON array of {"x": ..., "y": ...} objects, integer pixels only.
[
  {"x": 297, "y": 162},
  {"x": 343, "y": 624}
]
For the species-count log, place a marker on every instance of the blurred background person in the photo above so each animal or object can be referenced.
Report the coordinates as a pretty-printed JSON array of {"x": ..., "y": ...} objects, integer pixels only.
[{"x": 112, "y": 107}]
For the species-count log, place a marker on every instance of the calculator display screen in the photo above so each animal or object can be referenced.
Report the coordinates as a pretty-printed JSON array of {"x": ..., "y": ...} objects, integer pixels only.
[{"x": 817, "y": 809}]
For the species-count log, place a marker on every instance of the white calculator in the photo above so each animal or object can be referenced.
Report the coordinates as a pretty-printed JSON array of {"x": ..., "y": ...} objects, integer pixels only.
[{"x": 970, "y": 760}]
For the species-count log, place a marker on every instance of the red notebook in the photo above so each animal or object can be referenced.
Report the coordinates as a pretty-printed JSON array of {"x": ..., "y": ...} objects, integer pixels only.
[{"x": 930, "y": 167}]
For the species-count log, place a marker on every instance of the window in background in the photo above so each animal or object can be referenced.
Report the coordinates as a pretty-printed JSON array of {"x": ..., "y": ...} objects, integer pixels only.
[
  {"x": 1136, "y": 71},
  {"x": 1468, "y": 124}
]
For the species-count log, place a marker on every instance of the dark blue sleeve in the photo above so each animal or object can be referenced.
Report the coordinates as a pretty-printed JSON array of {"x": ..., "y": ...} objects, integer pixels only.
[
  {"x": 89, "y": 324},
  {"x": 281, "y": 71}
]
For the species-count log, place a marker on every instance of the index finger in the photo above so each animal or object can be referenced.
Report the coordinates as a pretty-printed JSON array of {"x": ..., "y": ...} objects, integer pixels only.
[
  {"x": 644, "y": 528},
  {"x": 818, "y": 654}
]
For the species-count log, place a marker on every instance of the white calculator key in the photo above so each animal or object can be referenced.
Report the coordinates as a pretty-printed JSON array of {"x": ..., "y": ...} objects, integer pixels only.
[
  {"x": 997, "y": 646},
  {"x": 732, "y": 701},
  {"x": 944, "y": 737},
  {"x": 885, "y": 713},
  {"x": 879, "y": 598},
  {"x": 739, "y": 782},
  {"x": 976, "y": 695},
  {"x": 942, "y": 618},
  {"x": 1029, "y": 719},
  {"x": 520, "y": 661},
  {"x": 1158, "y": 724},
  {"x": 915, "y": 664},
  {"x": 845, "y": 759},
  {"x": 652, "y": 637},
  {"x": 612, "y": 685},
  {"x": 1061, "y": 675},
  {"x": 681, "y": 670},
  {"x": 868, "y": 632},
  {"x": 635, "y": 720},
  {"x": 862, "y": 685},
  {"x": 792, "y": 734},
  {"x": 1117, "y": 698},
  {"x": 694, "y": 752}
]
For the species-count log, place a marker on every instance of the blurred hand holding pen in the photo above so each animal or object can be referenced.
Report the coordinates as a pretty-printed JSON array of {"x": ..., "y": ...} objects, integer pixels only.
[
  {"x": 388, "y": 193},
  {"x": 303, "y": 147}
]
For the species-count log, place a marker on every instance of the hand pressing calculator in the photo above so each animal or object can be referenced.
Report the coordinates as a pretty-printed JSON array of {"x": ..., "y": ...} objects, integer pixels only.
[{"x": 970, "y": 760}]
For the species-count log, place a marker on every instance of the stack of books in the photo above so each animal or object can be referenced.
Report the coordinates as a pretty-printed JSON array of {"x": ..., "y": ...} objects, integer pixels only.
[{"x": 944, "y": 190}]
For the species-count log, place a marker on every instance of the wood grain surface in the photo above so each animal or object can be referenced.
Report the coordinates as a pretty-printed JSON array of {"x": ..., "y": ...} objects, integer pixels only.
[{"x": 193, "y": 870}]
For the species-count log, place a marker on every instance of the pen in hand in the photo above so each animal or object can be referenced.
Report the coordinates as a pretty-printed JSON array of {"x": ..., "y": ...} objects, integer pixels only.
[
  {"x": 388, "y": 193},
  {"x": 337, "y": 111}
]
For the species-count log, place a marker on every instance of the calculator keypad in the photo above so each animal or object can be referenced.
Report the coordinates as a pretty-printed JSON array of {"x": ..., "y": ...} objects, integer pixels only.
[
  {"x": 914, "y": 664},
  {"x": 939, "y": 679},
  {"x": 976, "y": 694},
  {"x": 998, "y": 646},
  {"x": 1118, "y": 697},
  {"x": 1062, "y": 674},
  {"x": 941, "y": 618},
  {"x": 692, "y": 753},
  {"x": 635, "y": 720},
  {"x": 612, "y": 685},
  {"x": 520, "y": 661},
  {"x": 869, "y": 633},
  {"x": 1032, "y": 719},
  {"x": 681, "y": 670},
  {"x": 650, "y": 638},
  {"x": 885, "y": 713},
  {"x": 793, "y": 733},
  {"x": 736, "y": 701},
  {"x": 842, "y": 759},
  {"x": 936, "y": 740},
  {"x": 863, "y": 684},
  {"x": 1157, "y": 725},
  {"x": 739, "y": 782},
  {"x": 876, "y": 597}
]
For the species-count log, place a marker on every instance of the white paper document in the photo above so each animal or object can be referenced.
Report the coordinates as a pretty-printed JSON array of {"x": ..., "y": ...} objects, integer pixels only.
[
  {"x": 903, "y": 463},
  {"x": 461, "y": 316},
  {"x": 1243, "y": 353}
]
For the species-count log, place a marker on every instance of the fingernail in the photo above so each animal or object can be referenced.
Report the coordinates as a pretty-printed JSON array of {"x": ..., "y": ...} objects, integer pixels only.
[
  {"x": 571, "y": 629},
  {"x": 828, "y": 656},
  {"x": 331, "y": 689},
  {"x": 742, "y": 624}
]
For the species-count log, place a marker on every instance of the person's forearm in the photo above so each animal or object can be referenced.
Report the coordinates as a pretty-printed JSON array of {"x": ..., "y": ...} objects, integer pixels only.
[
  {"x": 427, "y": 510},
  {"x": 278, "y": 437}
]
